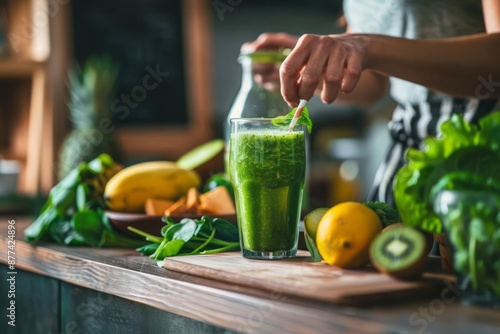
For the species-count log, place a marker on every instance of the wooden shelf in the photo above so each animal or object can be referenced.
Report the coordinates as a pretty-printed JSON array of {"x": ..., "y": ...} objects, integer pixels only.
[
  {"x": 31, "y": 89},
  {"x": 11, "y": 155},
  {"x": 13, "y": 67}
]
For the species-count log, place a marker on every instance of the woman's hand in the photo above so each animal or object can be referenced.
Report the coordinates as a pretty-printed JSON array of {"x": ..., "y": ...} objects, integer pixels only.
[
  {"x": 331, "y": 63},
  {"x": 270, "y": 41},
  {"x": 267, "y": 75},
  {"x": 369, "y": 89},
  {"x": 322, "y": 64}
]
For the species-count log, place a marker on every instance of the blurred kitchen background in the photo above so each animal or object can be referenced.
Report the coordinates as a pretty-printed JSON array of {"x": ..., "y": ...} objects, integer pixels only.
[{"x": 177, "y": 74}]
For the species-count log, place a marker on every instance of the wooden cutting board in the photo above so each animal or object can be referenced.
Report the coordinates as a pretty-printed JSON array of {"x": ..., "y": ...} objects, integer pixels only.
[{"x": 303, "y": 278}]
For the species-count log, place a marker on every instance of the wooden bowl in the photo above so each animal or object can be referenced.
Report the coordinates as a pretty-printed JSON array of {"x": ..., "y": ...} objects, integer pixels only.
[{"x": 149, "y": 224}]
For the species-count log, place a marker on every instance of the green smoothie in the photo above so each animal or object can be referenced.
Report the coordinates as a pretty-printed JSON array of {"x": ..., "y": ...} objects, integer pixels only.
[{"x": 267, "y": 170}]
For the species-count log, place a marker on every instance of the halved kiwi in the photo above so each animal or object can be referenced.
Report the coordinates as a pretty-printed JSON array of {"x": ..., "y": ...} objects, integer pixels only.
[
  {"x": 429, "y": 237},
  {"x": 400, "y": 251}
]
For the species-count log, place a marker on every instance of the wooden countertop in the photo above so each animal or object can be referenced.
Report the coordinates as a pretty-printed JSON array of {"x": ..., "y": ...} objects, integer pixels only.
[{"x": 127, "y": 274}]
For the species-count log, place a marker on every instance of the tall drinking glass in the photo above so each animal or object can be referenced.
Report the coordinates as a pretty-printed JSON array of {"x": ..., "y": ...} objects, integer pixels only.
[{"x": 267, "y": 166}]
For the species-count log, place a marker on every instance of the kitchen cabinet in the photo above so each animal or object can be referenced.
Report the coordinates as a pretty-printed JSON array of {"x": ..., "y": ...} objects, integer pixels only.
[
  {"x": 37, "y": 303},
  {"x": 61, "y": 307}
]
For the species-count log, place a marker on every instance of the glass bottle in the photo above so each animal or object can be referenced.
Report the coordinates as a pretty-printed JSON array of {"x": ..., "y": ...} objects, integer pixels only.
[{"x": 259, "y": 94}]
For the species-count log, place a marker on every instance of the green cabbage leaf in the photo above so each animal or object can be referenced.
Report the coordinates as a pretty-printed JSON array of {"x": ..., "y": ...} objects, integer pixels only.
[{"x": 465, "y": 157}]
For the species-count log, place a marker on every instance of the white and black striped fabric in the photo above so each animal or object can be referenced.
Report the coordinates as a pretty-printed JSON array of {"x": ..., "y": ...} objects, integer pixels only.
[
  {"x": 410, "y": 124},
  {"x": 420, "y": 110}
]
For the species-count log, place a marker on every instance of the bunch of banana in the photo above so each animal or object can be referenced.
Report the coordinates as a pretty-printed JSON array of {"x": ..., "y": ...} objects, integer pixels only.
[
  {"x": 98, "y": 174},
  {"x": 128, "y": 190}
]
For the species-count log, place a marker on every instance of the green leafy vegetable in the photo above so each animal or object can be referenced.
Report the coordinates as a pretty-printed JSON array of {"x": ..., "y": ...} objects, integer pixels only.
[
  {"x": 81, "y": 196},
  {"x": 311, "y": 247},
  {"x": 148, "y": 249},
  {"x": 88, "y": 225},
  {"x": 387, "y": 214},
  {"x": 465, "y": 161},
  {"x": 472, "y": 223},
  {"x": 304, "y": 119},
  {"x": 189, "y": 237},
  {"x": 73, "y": 213},
  {"x": 225, "y": 230},
  {"x": 465, "y": 157},
  {"x": 110, "y": 238}
]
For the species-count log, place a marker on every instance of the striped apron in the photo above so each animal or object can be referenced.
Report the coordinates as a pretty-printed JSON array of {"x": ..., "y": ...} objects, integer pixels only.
[{"x": 410, "y": 124}]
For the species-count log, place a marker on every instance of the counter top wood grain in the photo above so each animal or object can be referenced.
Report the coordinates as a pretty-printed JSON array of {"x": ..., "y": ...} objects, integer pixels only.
[{"x": 129, "y": 275}]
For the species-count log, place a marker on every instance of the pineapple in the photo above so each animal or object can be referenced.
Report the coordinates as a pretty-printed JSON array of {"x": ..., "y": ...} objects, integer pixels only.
[{"x": 91, "y": 90}]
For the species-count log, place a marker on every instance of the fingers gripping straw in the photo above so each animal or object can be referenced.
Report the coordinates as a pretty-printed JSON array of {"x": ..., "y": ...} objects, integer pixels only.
[{"x": 302, "y": 104}]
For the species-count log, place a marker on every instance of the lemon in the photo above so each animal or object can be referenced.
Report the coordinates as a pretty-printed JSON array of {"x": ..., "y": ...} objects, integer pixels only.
[{"x": 345, "y": 233}]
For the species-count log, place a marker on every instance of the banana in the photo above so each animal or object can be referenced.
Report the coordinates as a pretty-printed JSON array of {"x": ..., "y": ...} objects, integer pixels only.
[{"x": 128, "y": 190}]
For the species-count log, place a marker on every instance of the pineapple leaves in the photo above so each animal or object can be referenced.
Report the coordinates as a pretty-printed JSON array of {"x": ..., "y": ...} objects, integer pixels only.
[{"x": 92, "y": 88}]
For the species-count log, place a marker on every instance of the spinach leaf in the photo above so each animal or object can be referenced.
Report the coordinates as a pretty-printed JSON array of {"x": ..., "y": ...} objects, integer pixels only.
[
  {"x": 304, "y": 119},
  {"x": 41, "y": 226},
  {"x": 72, "y": 214},
  {"x": 81, "y": 197},
  {"x": 191, "y": 236},
  {"x": 225, "y": 230},
  {"x": 149, "y": 237},
  {"x": 182, "y": 231},
  {"x": 88, "y": 224},
  {"x": 75, "y": 239},
  {"x": 148, "y": 249},
  {"x": 169, "y": 248},
  {"x": 59, "y": 230}
]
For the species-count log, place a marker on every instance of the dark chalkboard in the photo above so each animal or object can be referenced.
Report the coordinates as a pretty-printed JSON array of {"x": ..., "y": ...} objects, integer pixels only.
[{"x": 142, "y": 36}]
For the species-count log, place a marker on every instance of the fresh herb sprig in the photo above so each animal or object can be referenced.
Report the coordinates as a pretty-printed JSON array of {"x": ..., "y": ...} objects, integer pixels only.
[
  {"x": 304, "y": 119},
  {"x": 206, "y": 235}
]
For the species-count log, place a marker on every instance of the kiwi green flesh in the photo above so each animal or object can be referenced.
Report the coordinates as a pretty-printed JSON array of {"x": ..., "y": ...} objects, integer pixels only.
[
  {"x": 429, "y": 237},
  {"x": 400, "y": 252}
]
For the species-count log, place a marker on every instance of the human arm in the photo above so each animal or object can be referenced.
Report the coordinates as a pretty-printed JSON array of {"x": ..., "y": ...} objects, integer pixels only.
[
  {"x": 491, "y": 13},
  {"x": 456, "y": 66},
  {"x": 370, "y": 88}
]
